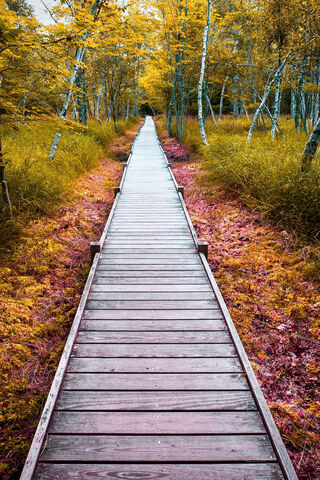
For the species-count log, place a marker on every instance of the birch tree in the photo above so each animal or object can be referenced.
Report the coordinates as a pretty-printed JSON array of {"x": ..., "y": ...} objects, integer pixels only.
[{"x": 202, "y": 71}]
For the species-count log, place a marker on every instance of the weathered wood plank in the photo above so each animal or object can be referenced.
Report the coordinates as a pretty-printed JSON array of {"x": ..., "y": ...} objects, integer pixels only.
[
  {"x": 171, "y": 267},
  {"x": 151, "y": 288},
  {"x": 158, "y": 448},
  {"x": 151, "y": 304},
  {"x": 151, "y": 325},
  {"x": 151, "y": 260},
  {"x": 204, "y": 471},
  {"x": 154, "y": 365},
  {"x": 153, "y": 337},
  {"x": 198, "y": 400},
  {"x": 150, "y": 274},
  {"x": 214, "y": 314},
  {"x": 132, "y": 280},
  {"x": 148, "y": 296},
  {"x": 133, "y": 248},
  {"x": 155, "y": 381},
  {"x": 153, "y": 423},
  {"x": 154, "y": 350}
]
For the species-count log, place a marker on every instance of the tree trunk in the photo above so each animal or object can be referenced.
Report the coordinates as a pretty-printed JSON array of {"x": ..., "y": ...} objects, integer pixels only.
[
  {"x": 211, "y": 110},
  {"x": 203, "y": 66},
  {"x": 4, "y": 185},
  {"x": 100, "y": 95},
  {"x": 82, "y": 97},
  {"x": 311, "y": 147},
  {"x": 293, "y": 103},
  {"x": 276, "y": 113},
  {"x": 221, "y": 97},
  {"x": 265, "y": 97}
]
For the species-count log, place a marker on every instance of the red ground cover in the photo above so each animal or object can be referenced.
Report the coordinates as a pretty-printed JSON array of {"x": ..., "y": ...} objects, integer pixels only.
[{"x": 273, "y": 302}]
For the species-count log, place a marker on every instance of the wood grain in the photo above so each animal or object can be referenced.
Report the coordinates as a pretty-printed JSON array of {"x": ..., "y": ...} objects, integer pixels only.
[
  {"x": 154, "y": 350},
  {"x": 151, "y": 325},
  {"x": 151, "y": 304},
  {"x": 153, "y": 423},
  {"x": 156, "y": 401},
  {"x": 182, "y": 287},
  {"x": 155, "y": 381},
  {"x": 154, "y": 337},
  {"x": 156, "y": 365},
  {"x": 204, "y": 471},
  {"x": 158, "y": 448},
  {"x": 137, "y": 314}
]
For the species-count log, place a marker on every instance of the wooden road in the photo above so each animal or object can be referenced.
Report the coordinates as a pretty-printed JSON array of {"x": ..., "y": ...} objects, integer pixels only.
[{"x": 154, "y": 382}]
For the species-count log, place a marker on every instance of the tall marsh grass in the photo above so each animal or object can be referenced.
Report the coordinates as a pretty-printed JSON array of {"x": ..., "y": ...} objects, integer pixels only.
[
  {"x": 266, "y": 173},
  {"x": 35, "y": 183}
]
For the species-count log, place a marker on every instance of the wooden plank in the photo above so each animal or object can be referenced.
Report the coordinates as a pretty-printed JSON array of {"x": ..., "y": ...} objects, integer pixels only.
[
  {"x": 151, "y": 261},
  {"x": 155, "y": 220},
  {"x": 241, "y": 400},
  {"x": 191, "y": 274},
  {"x": 150, "y": 267},
  {"x": 213, "y": 314},
  {"x": 154, "y": 365},
  {"x": 154, "y": 337},
  {"x": 162, "y": 249},
  {"x": 154, "y": 350},
  {"x": 153, "y": 423},
  {"x": 151, "y": 325},
  {"x": 152, "y": 237},
  {"x": 151, "y": 304},
  {"x": 199, "y": 471},
  {"x": 152, "y": 296},
  {"x": 156, "y": 281},
  {"x": 155, "y": 381},
  {"x": 181, "y": 287},
  {"x": 158, "y": 448}
]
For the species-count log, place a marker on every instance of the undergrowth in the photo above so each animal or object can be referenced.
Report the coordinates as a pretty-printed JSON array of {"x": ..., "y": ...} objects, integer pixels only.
[
  {"x": 266, "y": 173},
  {"x": 35, "y": 183}
]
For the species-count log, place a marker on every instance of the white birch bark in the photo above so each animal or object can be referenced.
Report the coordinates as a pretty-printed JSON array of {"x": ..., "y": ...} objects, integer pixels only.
[
  {"x": 276, "y": 108},
  {"x": 103, "y": 85},
  {"x": 211, "y": 110},
  {"x": 221, "y": 97},
  {"x": 265, "y": 97},
  {"x": 203, "y": 66}
]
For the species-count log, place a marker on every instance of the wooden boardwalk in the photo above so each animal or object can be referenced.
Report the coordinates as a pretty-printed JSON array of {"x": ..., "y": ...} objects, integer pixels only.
[{"x": 154, "y": 382}]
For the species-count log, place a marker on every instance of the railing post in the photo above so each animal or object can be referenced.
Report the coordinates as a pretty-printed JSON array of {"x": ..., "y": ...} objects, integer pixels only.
[
  {"x": 180, "y": 189},
  {"x": 203, "y": 247},
  {"x": 95, "y": 247}
]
